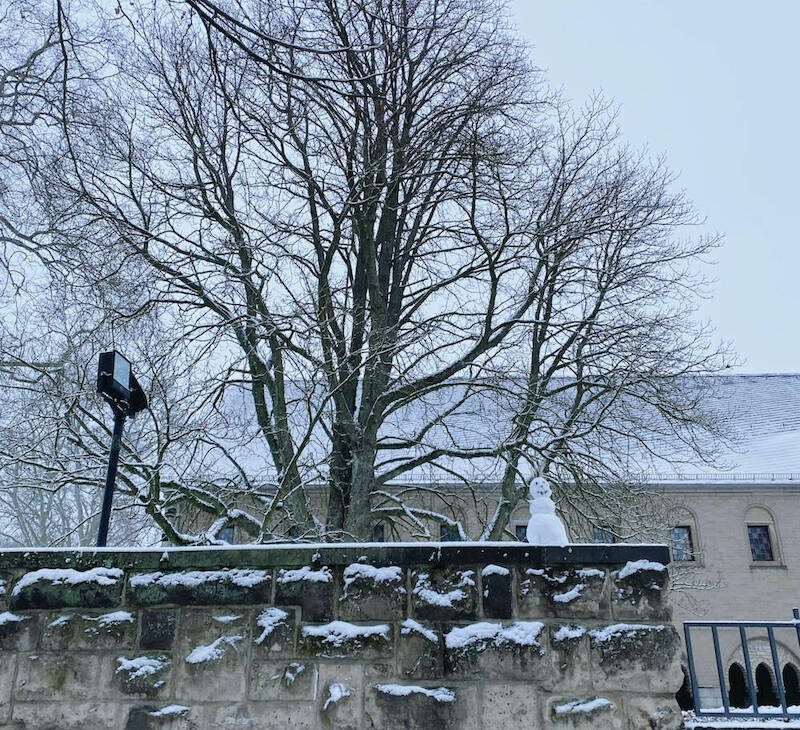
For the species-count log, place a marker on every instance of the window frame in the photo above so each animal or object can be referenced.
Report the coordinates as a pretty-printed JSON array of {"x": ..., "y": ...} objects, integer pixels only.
[
  {"x": 775, "y": 559},
  {"x": 691, "y": 539},
  {"x": 450, "y": 530},
  {"x": 605, "y": 530},
  {"x": 759, "y": 514},
  {"x": 379, "y": 528}
]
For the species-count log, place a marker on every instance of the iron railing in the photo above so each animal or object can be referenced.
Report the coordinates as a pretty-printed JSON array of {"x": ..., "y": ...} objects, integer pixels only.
[{"x": 753, "y": 710}]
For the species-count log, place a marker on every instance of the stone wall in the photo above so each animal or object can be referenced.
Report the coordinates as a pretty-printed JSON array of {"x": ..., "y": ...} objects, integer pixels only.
[{"x": 472, "y": 636}]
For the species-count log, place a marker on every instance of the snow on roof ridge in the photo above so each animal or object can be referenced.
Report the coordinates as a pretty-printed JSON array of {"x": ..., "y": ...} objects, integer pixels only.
[{"x": 754, "y": 375}]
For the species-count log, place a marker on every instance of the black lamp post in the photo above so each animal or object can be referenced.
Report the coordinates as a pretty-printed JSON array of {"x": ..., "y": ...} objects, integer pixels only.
[{"x": 120, "y": 389}]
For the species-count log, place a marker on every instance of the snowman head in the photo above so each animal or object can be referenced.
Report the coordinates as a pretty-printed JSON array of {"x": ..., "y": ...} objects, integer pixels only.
[{"x": 540, "y": 489}]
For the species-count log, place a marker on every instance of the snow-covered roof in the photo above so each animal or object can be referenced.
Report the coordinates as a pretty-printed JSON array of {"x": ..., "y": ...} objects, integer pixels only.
[
  {"x": 760, "y": 412},
  {"x": 763, "y": 412}
]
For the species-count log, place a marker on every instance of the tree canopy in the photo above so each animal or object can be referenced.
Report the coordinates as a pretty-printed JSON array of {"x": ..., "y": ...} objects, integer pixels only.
[{"x": 333, "y": 236}]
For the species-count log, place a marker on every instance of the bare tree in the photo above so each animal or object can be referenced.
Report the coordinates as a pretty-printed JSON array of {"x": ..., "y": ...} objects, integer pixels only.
[
  {"x": 367, "y": 231},
  {"x": 29, "y": 69},
  {"x": 55, "y": 432}
]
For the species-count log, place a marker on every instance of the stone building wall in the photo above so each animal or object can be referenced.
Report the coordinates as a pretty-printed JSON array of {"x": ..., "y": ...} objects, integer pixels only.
[{"x": 472, "y": 636}]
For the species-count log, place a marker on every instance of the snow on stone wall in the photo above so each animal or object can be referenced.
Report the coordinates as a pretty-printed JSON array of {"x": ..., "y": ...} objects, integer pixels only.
[{"x": 479, "y": 637}]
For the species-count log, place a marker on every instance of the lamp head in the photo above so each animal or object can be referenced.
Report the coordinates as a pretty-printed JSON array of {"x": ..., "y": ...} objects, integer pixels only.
[{"x": 118, "y": 385}]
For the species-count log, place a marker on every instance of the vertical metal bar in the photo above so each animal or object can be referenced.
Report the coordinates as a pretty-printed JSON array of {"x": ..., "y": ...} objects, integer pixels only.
[
  {"x": 796, "y": 614},
  {"x": 111, "y": 477},
  {"x": 692, "y": 673},
  {"x": 748, "y": 668},
  {"x": 776, "y": 666},
  {"x": 720, "y": 672}
]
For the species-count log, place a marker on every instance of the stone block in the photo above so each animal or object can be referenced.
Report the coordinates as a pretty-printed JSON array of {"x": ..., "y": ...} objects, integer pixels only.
[
  {"x": 203, "y": 625},
  {"x": 140, "y": 674},
  {"x": 577, "y": 593},
  {"x": 493, "y": 651},
  {"x": 68, "y": 676},
  {"x": 157, "y": 630},
  {"x": 342, "y": 639},
  {"x": 444, "y": 594},
  {"x": 263, "y": 716},
  {"x": 413, "y": 707},
  {"x": 372, "y": 593},
  {"x": 160, "y": 717},
  {"x": 93, "y": 630},
  {"x": 311, "y": 589},
  {"x": 569, "y": 646},
  {"x": 654, "y": 713},
  {"x": 591, "y": 712},
  {"x": 18, "y": 631},
  {"x": 5, "y": 580},
  {"x": 282, "y": 680},
  {"x": 57, "y": 630},
  {"x": 639, "y": 592},
  {"x": 496, "y": 580},
  {"x": 8, "y": 667},
  {"x": 420, "y": 651},
  {"x": 341, "y": 695},
  {"x": 64, "y": 715},
  {"x": 381, "y": 671},
  {"x": 510, "y": 706},
  {"x": 218, "y": 669},
  {"x": 201, "y": 587},
  {"x": 211, "y": 655},
  {"x": 531, "y": 593},
  {"x": 66, "y": 587},
  {"x": 274, "y": 632},
  {"x": 639, "y": 657}
]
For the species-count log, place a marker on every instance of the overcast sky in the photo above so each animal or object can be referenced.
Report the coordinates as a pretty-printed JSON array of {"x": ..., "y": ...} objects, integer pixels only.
[{"x": 714, "y": 86}]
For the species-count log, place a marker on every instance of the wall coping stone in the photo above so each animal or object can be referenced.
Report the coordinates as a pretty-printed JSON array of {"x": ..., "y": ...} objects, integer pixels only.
[{"x": 287, "y": 555}]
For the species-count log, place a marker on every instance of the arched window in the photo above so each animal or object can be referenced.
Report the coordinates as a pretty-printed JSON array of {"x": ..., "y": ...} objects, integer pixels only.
[
  {"x": 765, "y": 688},
  {"x": 737, "y": 687},
  {"x": 762, "y": 536},
  {"x": 683, "y": 535},
  {"x": 791, "y": 684}
]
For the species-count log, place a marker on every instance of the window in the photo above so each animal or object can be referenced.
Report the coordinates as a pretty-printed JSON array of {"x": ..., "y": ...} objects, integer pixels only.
[
  {"x": 765, "y": 691},
  {"x": 603, "y": 534},
  {"x": 791, "y": 684},
  {"x": 682, "y": 544},
  {"x": 521, "y": 532},
  {"x": 379, "y": 532},
  {"x": 448, "y": 533},
  {"x": 760, "y": 542},
  {"x": 227, "y": 534},
  {"x": 737, "y": 684}
]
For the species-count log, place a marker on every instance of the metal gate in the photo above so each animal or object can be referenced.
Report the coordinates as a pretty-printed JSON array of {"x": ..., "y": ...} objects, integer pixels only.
[{"x": 743, "y": 631}]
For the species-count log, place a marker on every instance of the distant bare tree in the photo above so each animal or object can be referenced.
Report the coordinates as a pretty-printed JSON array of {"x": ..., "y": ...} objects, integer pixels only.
[
  {"x": 371, "y": 230},
  {"x": 55, "y": 432},
  {"x": 29, "y": 71}
]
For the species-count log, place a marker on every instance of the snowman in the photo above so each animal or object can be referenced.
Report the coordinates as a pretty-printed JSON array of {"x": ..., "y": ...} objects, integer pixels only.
[{"x": 544, "y": 527}]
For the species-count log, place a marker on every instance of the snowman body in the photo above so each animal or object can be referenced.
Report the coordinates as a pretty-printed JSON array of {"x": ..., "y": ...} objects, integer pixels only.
[{"x": 544, "y": 526}]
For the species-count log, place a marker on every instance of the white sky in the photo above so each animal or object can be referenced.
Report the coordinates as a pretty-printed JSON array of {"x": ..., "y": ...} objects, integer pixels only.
[{"x": 714, "y": 85}]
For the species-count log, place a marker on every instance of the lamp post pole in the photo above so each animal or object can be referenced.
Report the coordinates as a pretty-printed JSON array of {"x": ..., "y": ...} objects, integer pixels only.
[
  {"x": 120, "y": 389},
  {"x": 111, "y": 475}
]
